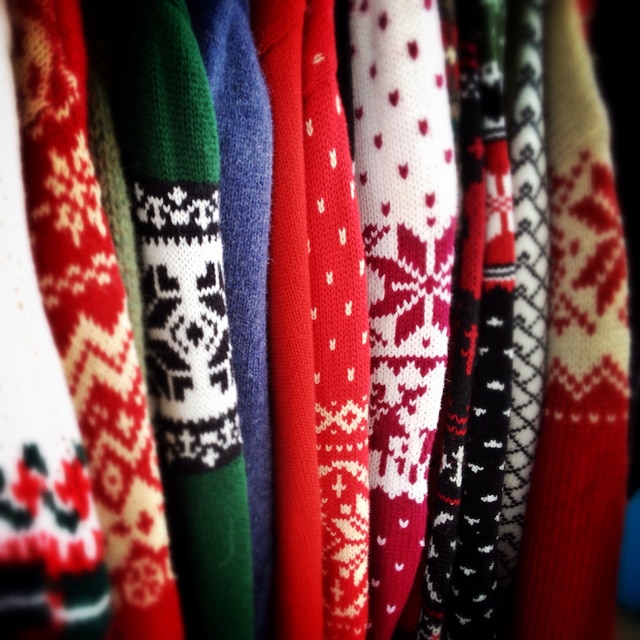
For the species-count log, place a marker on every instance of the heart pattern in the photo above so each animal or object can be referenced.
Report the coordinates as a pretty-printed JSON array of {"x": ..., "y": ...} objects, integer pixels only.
[{"x": 404, "y": 169}]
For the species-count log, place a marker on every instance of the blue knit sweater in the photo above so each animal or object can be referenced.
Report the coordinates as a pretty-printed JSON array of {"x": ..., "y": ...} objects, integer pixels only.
[{"x": 243, "y": 113}]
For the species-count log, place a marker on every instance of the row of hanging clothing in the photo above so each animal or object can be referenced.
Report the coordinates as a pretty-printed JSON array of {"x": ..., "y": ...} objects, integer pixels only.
[{"x": 314, "y": 321}]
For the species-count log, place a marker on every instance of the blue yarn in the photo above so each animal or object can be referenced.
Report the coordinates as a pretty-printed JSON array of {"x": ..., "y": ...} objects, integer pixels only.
[
  {"x": 629, "y": 575},
  {"x": 243, "y": 114}
]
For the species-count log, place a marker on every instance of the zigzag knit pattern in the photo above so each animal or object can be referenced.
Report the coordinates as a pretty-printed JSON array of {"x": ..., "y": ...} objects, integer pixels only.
[
  {"x": 53, "y": 581},
  {"x": 406, "y": 179},
  {"x": 85, "y": 301},
  {"x": 529, "y": 175},
  {"x": 340, "y": 334}
]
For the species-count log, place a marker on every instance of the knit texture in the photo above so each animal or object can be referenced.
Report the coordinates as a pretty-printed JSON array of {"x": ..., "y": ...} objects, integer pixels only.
[
  {"x": 455, "y": 414},
  {"x": 53, "y": 581},
  {"x": 566, "y": 577},
  {"x": 106, "y": 157},
  {"x": 298, "y": 607},
  {"x": 243, "y": 115},
  {"x": 340, "y": 333},
  {"x": 527, "y": 149},
  {"x": 471, "y": 609},
  {"x": 86, "y": 305},
  {"x": 171, "y": 155},
  {"x": 406, "y": 179}
]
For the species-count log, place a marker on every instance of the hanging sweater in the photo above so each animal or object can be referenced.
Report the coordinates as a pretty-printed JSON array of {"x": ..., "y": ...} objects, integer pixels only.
[
  {"x": 53, "y": 581},
  {"x": 171, "y": 157},
  {"x": 243, "y": 114},
  {"x": 86, "y": 306},
  {"x": 454, "y": 418},
  {"x": 406, "y": 180},
  {"x": 527, "y": 149},
  {"x": 340, "y": 333},
  {"x": 471, "y": 608},
  {"x": 297, "y": 605},
  {"x": 566, "y": 578}
]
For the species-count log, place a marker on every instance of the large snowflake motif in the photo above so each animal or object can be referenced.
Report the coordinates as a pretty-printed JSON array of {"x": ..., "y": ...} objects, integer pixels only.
[
  {"x": 598, "y": 248},
  {"x": 407, "y": 282}
]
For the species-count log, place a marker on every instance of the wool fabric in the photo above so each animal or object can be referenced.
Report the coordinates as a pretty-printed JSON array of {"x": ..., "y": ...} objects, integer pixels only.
[
  {"x": 298, "y": 603},
  {"x": 171, "y": 157},
  {"x": 243, "y": 114},
  {"x": 105, "y": 153},
  {"x": 527, "y": 150},
  {"x": 471, "y": 608},
  {"x": 53, "y": 580},
  {"x": 85, "y": 301},
  {"x": 567, "y": 568},
  {"x": 340, "y": 333},
  {"x": 455, "y": 414},
  {"x": 406, "y": 180}
]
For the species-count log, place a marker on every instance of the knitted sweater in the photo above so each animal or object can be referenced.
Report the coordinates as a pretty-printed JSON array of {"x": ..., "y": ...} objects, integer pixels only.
[
  {"x": 566, "y": 578},
  {"x": 297, "y": 608},
  {"x": 340, "y": 333},
  {"x": 527, "y": 148},
  {"x": 86, "y": 305},
  {"x": 53, "y": 581},
  {"x": 471, "y": 608},
  {"x": 455, "y": 416},
  {"x": 171, "y": 157},
  {"x": 406, "y": 180}
]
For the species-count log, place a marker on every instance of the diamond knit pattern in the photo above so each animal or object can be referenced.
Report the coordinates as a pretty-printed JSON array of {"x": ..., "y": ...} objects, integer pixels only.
[{"x": 529, "y": 175}]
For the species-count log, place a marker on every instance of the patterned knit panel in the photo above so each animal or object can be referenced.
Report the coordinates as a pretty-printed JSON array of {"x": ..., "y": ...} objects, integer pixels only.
[
  {"x": 86, "y": 305},
  {"x": 568, "y": 564},
  {"x": 341, "y": 333},
  {"x": 406, "y": 179},
  {"x": 53, "y": 581},
  {"x": 471, "y": 607},
  {"x": 454, "y": 418},
  {"x": 529, "y": 174}
]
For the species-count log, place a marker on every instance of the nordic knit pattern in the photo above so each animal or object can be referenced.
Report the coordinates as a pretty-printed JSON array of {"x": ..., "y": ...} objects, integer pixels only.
[
  {"x": 566, "y": 576},
  {"x": 454, "y": 418},
  {"x": 243, "y": 115},
  {"x": 297, "y": 605},
  {"x": 340, "y": 333},
  {"x": 529, "y": 174},
  {"x": 471, "y": 609},
  {"x": 406, "y": 179},
  {"x": 171, "y": 155},
  {"x": 52, "y": 575},
  {"x": 86, "y": 305}
]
